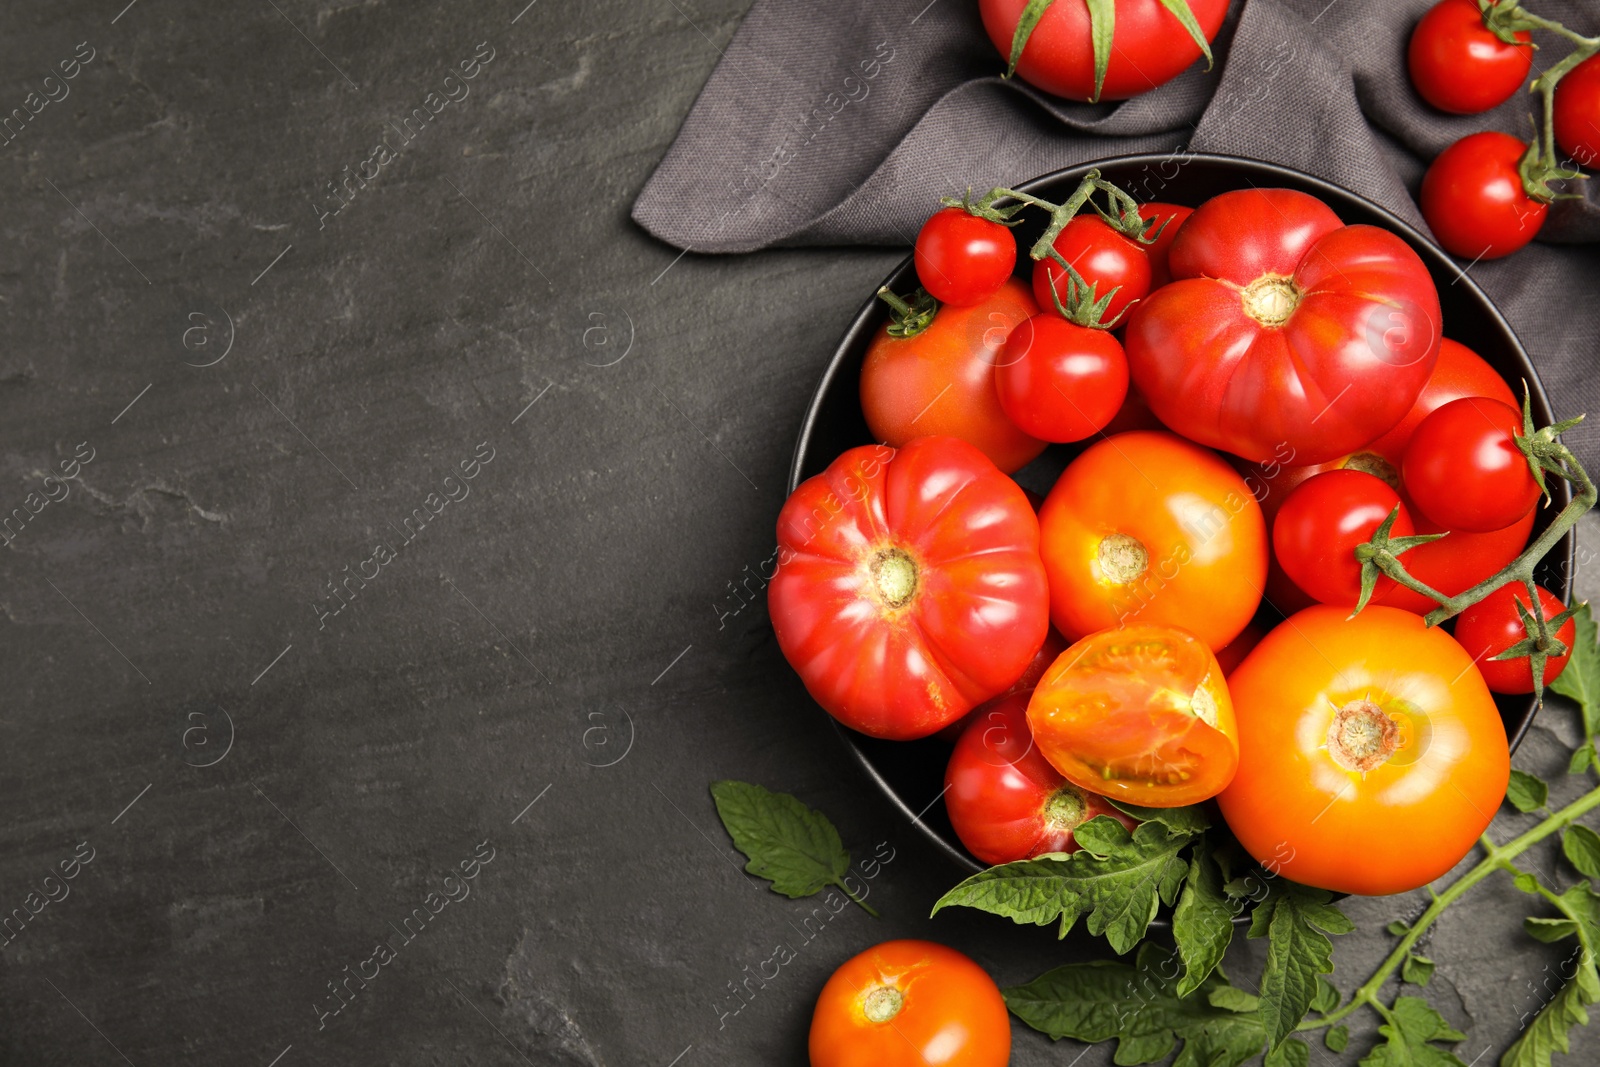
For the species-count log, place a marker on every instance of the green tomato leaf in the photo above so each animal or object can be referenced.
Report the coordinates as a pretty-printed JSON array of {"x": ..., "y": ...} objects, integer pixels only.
[
  {"x": 1230, "y": 999},
  {"x": 1582, "y": 759},
  {"x": 790, "y": 845},
  {"x": 1416, "y": 970},
  {"x": 1102, "y": 24},
  {"x": 1190, "y": 820},
  {"x": 1547, "y": 1032},
  {"x": 1549, "y": 930},
  {"x": 1337, "y": 1038},
  {"x": 1202, "y": 922},
  {"x": 1116, "y": 879},
  {"x": 1527, "y": 792},
  {"x": 1412, "y": 1039},
  {"x": 1327, "y": 997},
  {"x": 1526, "y": 882},
  {"x": 1580, "y": 681},
  {"x": 1398, "y": 928},
  {"x": 1297, "y": 922},
  {"x": 1582, "y": 848},
  {"x": 1292, "y": 1053},
  {"x": 1138, "y": 1005}
]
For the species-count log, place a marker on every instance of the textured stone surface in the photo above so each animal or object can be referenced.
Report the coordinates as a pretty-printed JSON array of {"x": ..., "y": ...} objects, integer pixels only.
[{"x": 268, "y": 393}]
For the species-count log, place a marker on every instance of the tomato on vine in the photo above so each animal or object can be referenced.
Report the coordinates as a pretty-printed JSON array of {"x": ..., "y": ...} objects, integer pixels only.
[
  {"x": 930, "y": 371},
  {"x": 1060, "y": 381},
  {"x": 1474, "y": 199},
  {"x": 1316, "y": 531},
  {"x": 1577, "y": 113},
  {"x": 962, "y": 259},
  {"x": 1004, "y": 799},
  {"x": 909, "y": 1004},
  {"x": 1494, "y": 624},
  {"x": 1463, "y": 469},
  {"x": 1113, "y": 263},
  {"x": 1459, "y": 65},
  {"x": 1140, "y": 714}
]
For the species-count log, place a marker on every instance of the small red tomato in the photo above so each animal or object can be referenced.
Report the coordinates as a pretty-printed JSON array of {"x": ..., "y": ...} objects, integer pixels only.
[
  {"x": 1577, "y": 113},
  {"x": 1463, "y": 469},
  {"x": 1493, "y": 625},
  {"x": 1319, "y": 526},
  {"x": 1059, "y": 381},
  {"x": 1103, "y": 257},
  {"x": 1168, "y": 217},
  {"x": 1004, "y": 799},
  {"x": 1459, "y": 66},
  {"x": 962, "y": 259},
  {"x": 1474, "y": 200},
  {"x": 910, "y": 1004}
]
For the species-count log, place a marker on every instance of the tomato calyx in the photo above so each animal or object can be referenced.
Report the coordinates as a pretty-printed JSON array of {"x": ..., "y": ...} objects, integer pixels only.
[
  {"x": 1541, "y": 645},
  {"x": 1067, "y": 809},
  {"x": 1123, "y": 559},
  {"x": 1539, "y": 446},
  {"x": 1102, "y": 22},
  {"x": 882, "y": 1003},
  {"x": 894, "y": 576},
  {"x": 909, "y": 317},
  {"x": 1362, "y": 736},
  {"x": 1381, "y": 551},
  {"x": 1271, "y": 299}
]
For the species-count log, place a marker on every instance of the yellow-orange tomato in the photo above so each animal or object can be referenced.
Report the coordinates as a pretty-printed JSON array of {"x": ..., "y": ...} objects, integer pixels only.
[
  {"x": 1147, "y": 527},
  {"x": 910, "y": 1004},
  {"x": 1371, "y": 755},
  {"x": 1139, "y": 714}
]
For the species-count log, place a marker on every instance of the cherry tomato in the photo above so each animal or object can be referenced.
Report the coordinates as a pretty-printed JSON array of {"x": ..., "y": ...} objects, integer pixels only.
[
  {"x": 1459, "y": 66},
  {"x": 1104, "y": 258},
  {"x": 1493, "y": 625},
  {"x": 1474, "y": 200},
  {"x": 941, "y": 381},
  {"x": 1577, "y": 113},
  {"x": 1168, "y": 217},
  {"x": 1371, "y": 755},
  {"x": 1059, "y": 381},
  {"x": 1284, "y": 329},
  {"x": 1458, "y": 562},
  {"x": 910, "y": 1004},
  {"x": 1321, "y": 523},
  {"x": 1462, "y": 468},
  {"x": 962, "y": 259},
  {"x": 1147, "y": 527},
  {"x": 909, "y": 588},
  {"x": 1004, "y": 799},
  {"x": 1149, "y": 46},
  {"x": 1140, "y": 714}
]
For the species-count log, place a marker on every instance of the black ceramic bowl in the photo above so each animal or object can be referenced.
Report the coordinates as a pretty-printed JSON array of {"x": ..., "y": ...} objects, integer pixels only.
[{"x": 911, "y": 773}]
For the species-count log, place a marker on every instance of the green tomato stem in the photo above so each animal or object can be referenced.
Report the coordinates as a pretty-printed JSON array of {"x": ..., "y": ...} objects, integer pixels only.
[
  {"x": 863, "y": 905},
  {"x": 1497, "y": 857}
]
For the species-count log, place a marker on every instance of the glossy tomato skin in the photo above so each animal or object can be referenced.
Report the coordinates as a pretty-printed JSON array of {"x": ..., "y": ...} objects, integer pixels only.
[
  {"x": 941, "y": 382},
  {"x": 1458, "y": 66},
  {"x": 1104, "y": 258},
  {"x": 1147, "y": 527},
  {"x": 962, "y": 259},
  {"x": 1305, "y": 809},
  {"x": 1456, "y": 563},
  {"x": 1149, "y": 46},
  {"x": 1474, "y": 200},
  {"x": 1319, "y": 526},
  {"x": 909, "y": 587},
  {"x": 1004, "y": 799},
  {"x": 1054, "y": 645},
  {"x": 1169, "y": 217},
  {"x": 1577, "y": 113},
  {"x": 1284, "y": 329},
  {"x": 1059, "y": 381},
  {"x": 1140, "y": 714},
  {"x": 1493, "y": 625},
  {"x": 945, "y": 1010},
  {"x": 1463, "y": 470}
]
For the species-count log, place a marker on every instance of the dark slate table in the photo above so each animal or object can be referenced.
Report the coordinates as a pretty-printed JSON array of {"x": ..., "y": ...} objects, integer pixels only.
[{"x": 413, "y": 486}]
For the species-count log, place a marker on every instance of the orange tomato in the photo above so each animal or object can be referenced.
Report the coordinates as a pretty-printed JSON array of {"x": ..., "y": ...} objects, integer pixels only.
[
  {"x": 1147, "y": 527},
  {"x": 910, "y": 1004},
  {"x": 941, "y": 381},
  {"x": 1139, "y": 714},
  {"x": 1371, "y": 755}
]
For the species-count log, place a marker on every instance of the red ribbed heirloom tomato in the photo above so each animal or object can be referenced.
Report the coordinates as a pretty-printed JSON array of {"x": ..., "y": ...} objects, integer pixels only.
[
  {"x": 910, "y": 1004},
  {"x": 1146, "y": 527},
  {"x": 1493, "y": 625},
  {"x": 909, "y": 588},
  {"x": 1284, "y": 328},
  {"x": 1004, "y": 799},
  {"x": 1140, "y": 714},
  {"x": 1371, "y": 755},
  {"x": 1149, "y": 46}
]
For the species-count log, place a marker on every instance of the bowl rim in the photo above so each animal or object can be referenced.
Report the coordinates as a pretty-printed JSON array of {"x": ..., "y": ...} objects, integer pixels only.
[{"x": 866, "y": 321}]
